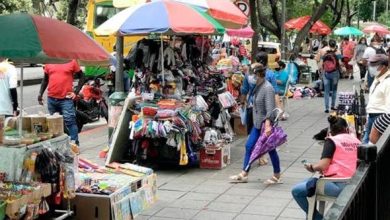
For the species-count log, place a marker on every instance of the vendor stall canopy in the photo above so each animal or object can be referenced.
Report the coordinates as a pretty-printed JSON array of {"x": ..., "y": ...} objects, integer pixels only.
[{"x": 36, "y": 39}]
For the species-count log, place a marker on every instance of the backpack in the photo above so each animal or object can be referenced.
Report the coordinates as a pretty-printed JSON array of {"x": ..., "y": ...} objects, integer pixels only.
[
  {"x": 329, "y": 62},
  {"x": 379, "y": 50}
]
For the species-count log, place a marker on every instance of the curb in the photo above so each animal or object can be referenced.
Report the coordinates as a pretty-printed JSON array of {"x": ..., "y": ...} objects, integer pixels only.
[{"x": 30, "y": 82}]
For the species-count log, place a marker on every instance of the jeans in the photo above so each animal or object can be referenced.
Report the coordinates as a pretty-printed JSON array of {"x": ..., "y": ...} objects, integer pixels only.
[
  {"x": 299, "y": 192},
  {"x": 249, "y": 120},
  {"x": 370, "y": 122},
  {"x": 66, "y": 109},
  {"x": 330, "y": 84},
  {"x": 363, "y": 70},
  {"x": 370, "y": 80},
  {"x": 250, "y": 143}
]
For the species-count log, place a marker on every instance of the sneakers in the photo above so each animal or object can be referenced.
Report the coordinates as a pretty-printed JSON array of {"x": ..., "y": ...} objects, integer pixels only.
[
  {"x": 333, "y": 108},
  {"x": 326, "y": 111}
]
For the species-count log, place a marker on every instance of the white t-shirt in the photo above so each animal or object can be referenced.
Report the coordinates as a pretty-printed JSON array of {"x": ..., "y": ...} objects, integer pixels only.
[
  {"x": 368, "y": 52},
  {"x": 379, "y": 98},
  {"x": 8, "y": 80}
]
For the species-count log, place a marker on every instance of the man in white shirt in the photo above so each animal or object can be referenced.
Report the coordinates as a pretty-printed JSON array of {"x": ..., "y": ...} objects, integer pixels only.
[
  {"x": 8, "y": 85},
  {"x": 374, "y": 48},
  {"x": 379, "y": 96}
]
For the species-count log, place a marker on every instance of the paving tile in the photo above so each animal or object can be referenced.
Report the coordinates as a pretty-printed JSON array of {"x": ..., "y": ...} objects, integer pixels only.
[
  {"x": 189, "y": 204},
  {"x": 253, "y": 217},
  {"x": 142, "y": 217},
  {"x": 177, "y": 213},
  {"x": 293, "y": 213},
  {"x": 156, "y": 207},
  {"x": 244, "y": 192},
  {"x": 226, "y": 207},
  {"x": 211, "y": 189},
  {"x": 200, "y": 196},
  {"x": 161, "y": 218},
  {"x": 169, "y": 195},
  {"x": 271, "y": 201},
  {"x": 240, "y": 199},
  {"x": 276, "y": 194},
  {"x": 263, "y": 210},
  {"x": 212, "y": 215},
  {"x": 177, "y": 187}
]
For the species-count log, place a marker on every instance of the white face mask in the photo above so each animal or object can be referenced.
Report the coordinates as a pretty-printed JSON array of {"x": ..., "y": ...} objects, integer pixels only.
[
  {"x": 373, "y": 70},
  {"x": 252, "y": 79}
]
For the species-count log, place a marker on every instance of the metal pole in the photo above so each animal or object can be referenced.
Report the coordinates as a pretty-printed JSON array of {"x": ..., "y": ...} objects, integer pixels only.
[
  {"x": 162, "y": 61},
  {"x": 387, "y": 9},
  {"x": 283, "y": 38},
  {"x": 202, "y": 50},
  {"x": 374, "y": 11},
  {"x": 119, "y": 87},
  {"x": 21, "y": 101}
]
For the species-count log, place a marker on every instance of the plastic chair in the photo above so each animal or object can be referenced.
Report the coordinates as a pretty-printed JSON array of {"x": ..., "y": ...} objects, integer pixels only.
[{"x": 320, "y": 196}]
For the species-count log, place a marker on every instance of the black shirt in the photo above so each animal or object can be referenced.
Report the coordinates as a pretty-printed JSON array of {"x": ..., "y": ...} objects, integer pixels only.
[{"x": 329, "y": 149}]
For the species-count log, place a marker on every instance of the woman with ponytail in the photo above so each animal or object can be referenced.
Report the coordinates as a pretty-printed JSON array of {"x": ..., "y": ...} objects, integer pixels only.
[{"x": 338, "y": 160}]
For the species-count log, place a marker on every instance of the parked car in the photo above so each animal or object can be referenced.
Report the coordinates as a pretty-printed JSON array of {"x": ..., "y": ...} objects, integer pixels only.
[{"x": 273, "y": 50}]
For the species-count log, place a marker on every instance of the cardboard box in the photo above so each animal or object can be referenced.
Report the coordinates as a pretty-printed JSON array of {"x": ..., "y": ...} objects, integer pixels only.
[
  {"x": 91, "y": 206},
  {"x": 238, "y": 128},
  {"x": 215, "y": 156}
]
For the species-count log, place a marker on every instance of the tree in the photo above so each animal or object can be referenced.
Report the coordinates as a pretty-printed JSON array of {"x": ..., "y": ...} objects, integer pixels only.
[
  {"x": 305, "y": 30},
  {"x": 11, "y": 6}
]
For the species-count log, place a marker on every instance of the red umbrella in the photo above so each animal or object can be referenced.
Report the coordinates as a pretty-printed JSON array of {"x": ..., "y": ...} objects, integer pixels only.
[
  {"x": 244, "y": 32},
  {"x": 298, "y": 23},
  {"x": 376, "y": 28}
]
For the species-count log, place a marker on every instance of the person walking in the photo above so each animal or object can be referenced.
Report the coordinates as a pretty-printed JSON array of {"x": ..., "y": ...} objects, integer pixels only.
[
  {"x": 8, "y": 85},
  {"x": 330, "y": 67},
  {"x": 263, "y": 105},
  {"x": 338, "y": 160},
  {"x": 379, "y": 94},
  {"x": 375, "y": 47},
  {"x": 347, "y": 48},
  {"x": 59, "y": 80},
  {"x": 358, "y": 57}
]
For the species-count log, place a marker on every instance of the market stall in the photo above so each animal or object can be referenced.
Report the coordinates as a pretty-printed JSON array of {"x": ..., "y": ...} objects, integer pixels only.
[{"x": 174, "y": 100}]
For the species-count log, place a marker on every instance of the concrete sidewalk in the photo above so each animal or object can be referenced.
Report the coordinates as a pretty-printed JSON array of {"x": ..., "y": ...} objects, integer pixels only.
[{"x": 207, "y": 194}]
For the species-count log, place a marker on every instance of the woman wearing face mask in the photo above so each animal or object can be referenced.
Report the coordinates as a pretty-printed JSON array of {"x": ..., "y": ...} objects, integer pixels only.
[
  {"x": 263, "y": 104},
  {"x": 358, "y": 56},
  {"x": 338, "y": 160},
  {"x": 379, "y": 94}
]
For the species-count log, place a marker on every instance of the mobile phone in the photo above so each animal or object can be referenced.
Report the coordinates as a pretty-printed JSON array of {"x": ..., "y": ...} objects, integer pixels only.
[{"x": 304, "y": 162}]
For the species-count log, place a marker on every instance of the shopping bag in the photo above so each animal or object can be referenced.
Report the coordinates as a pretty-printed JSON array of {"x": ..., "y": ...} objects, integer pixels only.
[{"x": 243, "y": 116}]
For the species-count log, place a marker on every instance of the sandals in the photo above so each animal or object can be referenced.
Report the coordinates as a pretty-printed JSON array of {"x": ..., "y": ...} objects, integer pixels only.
[
  {"x": 238, "y": 178},
  {"x": 263, "y": 161},
  {"x": 273, "y": 180}
]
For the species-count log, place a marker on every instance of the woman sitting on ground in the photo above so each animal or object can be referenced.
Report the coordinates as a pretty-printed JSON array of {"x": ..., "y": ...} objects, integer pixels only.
[{"x": 338, "y": 160}]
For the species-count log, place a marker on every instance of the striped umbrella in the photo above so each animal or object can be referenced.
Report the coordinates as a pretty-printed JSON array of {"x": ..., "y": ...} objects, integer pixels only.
[
  {"x": 165, "y": 17},
  {"x": 225, "y": 11},
  {"x": 36, "y": 39}
]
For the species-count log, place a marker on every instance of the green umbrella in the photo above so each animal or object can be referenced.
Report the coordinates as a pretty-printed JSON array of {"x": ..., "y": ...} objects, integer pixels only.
[{"x": 348, "y": 31}]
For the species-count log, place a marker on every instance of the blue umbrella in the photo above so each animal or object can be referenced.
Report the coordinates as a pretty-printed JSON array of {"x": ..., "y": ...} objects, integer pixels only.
[{"x": 348, "y": 31}]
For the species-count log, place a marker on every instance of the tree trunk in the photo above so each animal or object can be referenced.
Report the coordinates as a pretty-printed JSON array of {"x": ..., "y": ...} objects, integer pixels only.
[
  {"x": 266, "y": 22},
  {"x": 72, "y": 12},
  {"x": 255, "y": 26},
  {"x": 337, "y": 12},
  {"x": 305, "y": 30}
]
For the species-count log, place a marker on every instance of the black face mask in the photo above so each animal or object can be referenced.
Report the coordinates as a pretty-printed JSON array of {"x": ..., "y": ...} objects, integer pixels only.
[{"x": 277, "y": 69}]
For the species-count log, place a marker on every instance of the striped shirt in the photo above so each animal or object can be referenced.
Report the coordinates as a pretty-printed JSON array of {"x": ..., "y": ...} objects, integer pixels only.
[
  {"x": 263, "y": 102},
  {"x": 382, "y": 122}
]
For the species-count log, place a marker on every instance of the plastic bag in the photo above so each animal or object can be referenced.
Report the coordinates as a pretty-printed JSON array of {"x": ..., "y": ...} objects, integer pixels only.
[{"x": 243, "y": 116}]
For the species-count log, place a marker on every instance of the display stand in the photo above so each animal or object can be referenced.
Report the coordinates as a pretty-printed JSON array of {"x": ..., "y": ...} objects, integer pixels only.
[{"x": 13, "y": 163}]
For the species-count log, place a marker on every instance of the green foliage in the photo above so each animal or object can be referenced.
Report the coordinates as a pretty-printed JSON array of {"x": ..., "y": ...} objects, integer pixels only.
[
  {"x": 384, "y": 19},
  {"x": 11, "y": 6}
]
